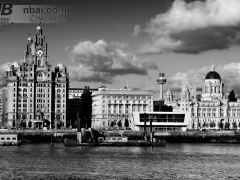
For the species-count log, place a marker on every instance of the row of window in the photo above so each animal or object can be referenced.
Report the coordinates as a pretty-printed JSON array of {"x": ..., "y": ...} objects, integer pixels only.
[
  {"x": 127, "y": 97},
  {"x": 217, "y": 114},
  {"x": 120, "y": 101},
  {"x": 8, "y": 138}
]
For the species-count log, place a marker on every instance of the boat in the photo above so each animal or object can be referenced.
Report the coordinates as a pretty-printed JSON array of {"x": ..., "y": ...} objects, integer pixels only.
[
  {"x": 9, "y": 139},
  {"x": 114, "y": 141}
]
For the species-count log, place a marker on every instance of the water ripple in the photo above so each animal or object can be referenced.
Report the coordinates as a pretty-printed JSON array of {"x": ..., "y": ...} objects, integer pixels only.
[{"x": 176, "y": 161}]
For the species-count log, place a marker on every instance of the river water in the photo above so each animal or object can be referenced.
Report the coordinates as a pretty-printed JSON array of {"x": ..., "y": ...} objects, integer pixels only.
[{"x": 175, "y": 161}]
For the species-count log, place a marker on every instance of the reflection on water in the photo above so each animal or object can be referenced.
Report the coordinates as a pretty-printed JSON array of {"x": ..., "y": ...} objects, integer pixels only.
[{"x": 176, "y": 161}]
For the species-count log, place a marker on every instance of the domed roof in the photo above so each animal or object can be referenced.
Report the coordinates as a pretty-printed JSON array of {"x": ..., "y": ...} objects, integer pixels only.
[
  {"x": 61, "y": 66},
  {"x": 15, "y": 64},
  {"x": 38, "y": 27},
  {"x": 213, "y": 75}
]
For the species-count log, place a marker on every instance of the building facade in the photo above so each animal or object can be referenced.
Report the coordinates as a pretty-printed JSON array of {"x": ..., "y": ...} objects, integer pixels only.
[
  {"x": 76, "y": 93},
  {"x": 36, "y": 93},
  {"x": 113, "y": 108},
  {"x": 213, "y": 110},
  {"x": 160, "y": 121},
  {"x": 3, "y": 101},
  {"x": 77, "y": 106}
]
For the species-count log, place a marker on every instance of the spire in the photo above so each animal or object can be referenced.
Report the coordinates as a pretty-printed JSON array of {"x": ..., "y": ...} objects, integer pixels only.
[
  {"x": 213, "y": 67},
  {"x": 46, "y": 49},
  {"x": 39, "y": 37},
  {"x": 39, "y": 27},
  {"x": 29, "y": 37}
]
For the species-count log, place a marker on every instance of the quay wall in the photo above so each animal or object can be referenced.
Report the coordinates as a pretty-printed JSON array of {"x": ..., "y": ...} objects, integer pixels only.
[
  {"x": 201, "y": 137},
  {"x": 49, "y": 136},
  {"x": 41, "y": 136},
  {"x": 228, "y": 136}
]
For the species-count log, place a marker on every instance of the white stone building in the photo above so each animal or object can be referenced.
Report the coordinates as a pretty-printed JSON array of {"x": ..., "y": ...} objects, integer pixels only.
[
  {"x": 113, "y": 107},
  {"x": 213, "y": 111},
  {"x": 3, "y": 101},
  {"x": 36, "y": 92}
]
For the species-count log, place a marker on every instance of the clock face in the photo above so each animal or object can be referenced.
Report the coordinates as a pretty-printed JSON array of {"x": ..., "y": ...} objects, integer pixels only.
[{"x": 40, "y": 53}]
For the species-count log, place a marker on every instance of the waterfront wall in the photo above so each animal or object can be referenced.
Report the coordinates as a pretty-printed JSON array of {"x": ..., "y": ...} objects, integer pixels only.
[
  {"x": 40, "y": 136},
  {"x": 187, "y": 137}
]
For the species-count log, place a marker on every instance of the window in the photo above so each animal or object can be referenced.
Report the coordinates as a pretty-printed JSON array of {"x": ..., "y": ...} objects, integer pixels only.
[
  {"x": 24, "y": 92},
  {"x": 58, "y": 95}
]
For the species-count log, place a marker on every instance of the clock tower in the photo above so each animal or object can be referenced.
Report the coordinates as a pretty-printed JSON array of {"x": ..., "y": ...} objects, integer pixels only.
[
  {"x": 37, "y": 93},
  {"x": 36, "y": 52}
]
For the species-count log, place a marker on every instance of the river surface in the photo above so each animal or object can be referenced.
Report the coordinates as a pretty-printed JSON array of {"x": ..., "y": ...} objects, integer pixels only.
[{"x": 175, "y": 161}]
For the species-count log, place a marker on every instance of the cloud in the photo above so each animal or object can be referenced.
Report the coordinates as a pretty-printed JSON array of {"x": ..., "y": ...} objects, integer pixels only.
[
  {"x": 80, "y": 73},
  {"x": 3, "y": 68},
  {"x": 230, "y": 75},
  {"x": 136, "y": 30},
  {"x": 193, "y": 27},
  {"x": 101, "y": 61}
]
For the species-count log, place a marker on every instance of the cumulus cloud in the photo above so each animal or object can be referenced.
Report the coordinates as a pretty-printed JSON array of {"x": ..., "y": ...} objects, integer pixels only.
[
  {"x": 194, "y": 27},
  {"x": 136, "y": 30},
  {"x": 101, "y": 61},
  {"x": 3, "y": 68},
  {"x": 80, "y": 73},
  {"x": 230, "y": 75}
]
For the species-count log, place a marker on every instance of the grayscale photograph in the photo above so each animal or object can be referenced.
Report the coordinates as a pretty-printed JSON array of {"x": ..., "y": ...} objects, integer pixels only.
[{"x": 119, "y": 89}]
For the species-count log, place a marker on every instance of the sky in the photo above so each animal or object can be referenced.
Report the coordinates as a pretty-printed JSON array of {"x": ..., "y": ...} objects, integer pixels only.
[{"x": 129, "y": 42}]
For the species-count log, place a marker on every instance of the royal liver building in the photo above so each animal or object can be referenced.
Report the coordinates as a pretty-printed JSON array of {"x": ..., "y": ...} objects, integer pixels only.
[{"x": 36, "y": 92}]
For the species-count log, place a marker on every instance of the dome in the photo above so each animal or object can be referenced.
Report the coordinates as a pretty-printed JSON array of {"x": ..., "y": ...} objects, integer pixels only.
[
  {"x": 213, "y": 75},
  {"x": 15, "y": 64},
  {"x": 61, "y": 66},
  {"x": 38, "y": 27}
]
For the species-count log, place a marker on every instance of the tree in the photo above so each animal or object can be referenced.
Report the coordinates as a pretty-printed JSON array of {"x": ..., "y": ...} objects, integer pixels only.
[
  {"x": 112, "y": 124},
  {"x": 227, "y": 125},
  {"x": 199, "y": 125},
  {"x": 193, "y": 125},
  {"x": 119, "y": 124},
  {"x": 232, "y": 96},
  {"x": 220, "y": 124},
  {"x": 159, "y": 106},
  {"x": 234, "y": 124},
  {"x": 198, "y": 97},
  {"x": 126, "y": 124}
]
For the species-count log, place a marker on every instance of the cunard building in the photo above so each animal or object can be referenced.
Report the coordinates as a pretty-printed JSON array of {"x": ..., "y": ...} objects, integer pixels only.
[{"x": 36, "y": 92}]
